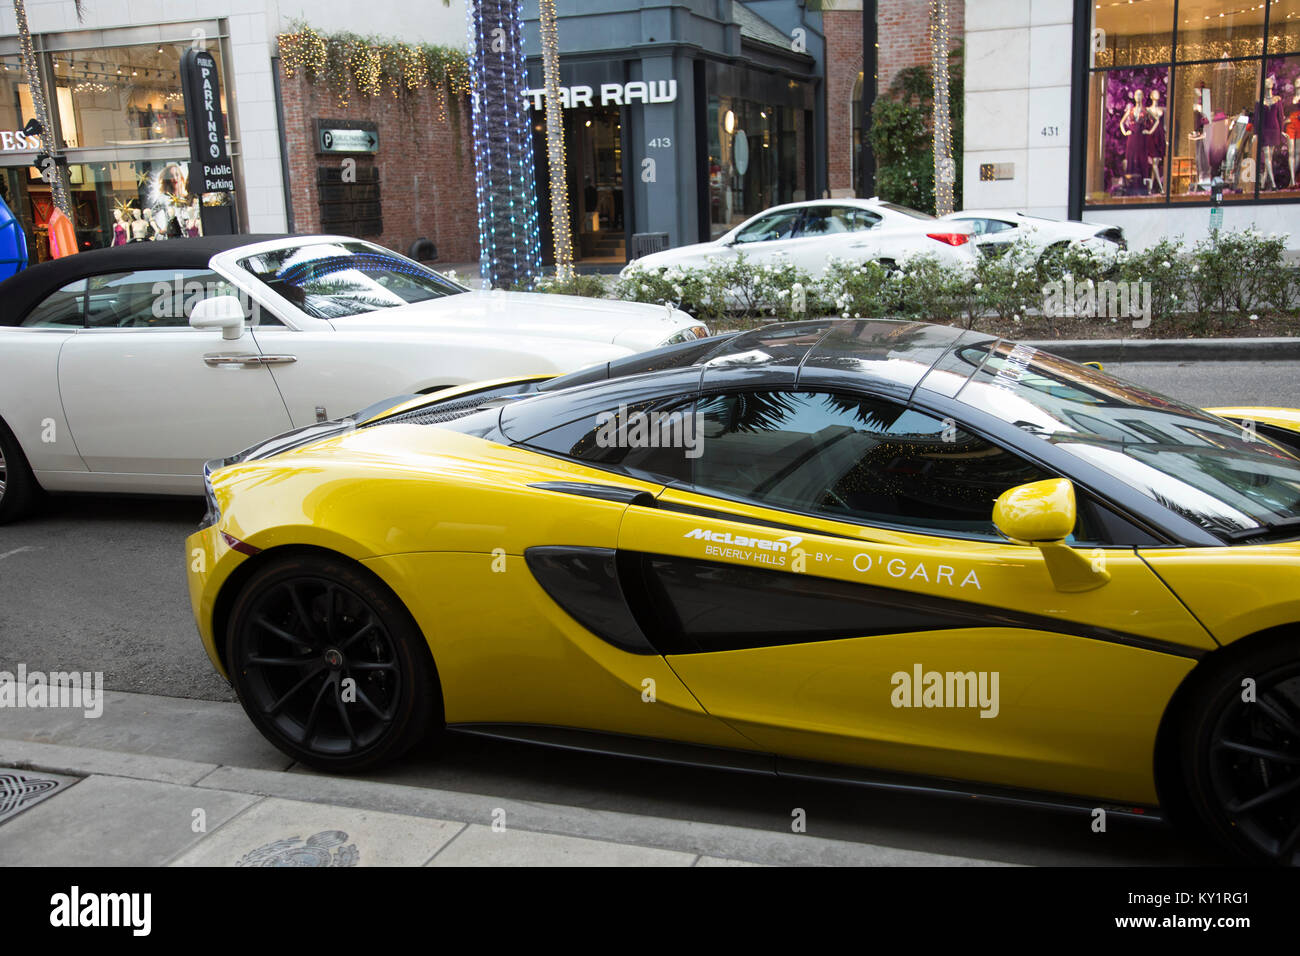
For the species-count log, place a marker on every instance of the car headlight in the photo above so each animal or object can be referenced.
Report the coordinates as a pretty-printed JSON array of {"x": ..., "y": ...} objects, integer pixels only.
[{"x": 689, "y": 334}]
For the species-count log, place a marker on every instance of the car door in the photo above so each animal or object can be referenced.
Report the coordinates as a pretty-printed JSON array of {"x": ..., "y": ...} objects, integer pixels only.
[
  {"x": 830, "y": 585},
  {"x": 834, "y": 232},
  {"x": 147, "y": 395}
]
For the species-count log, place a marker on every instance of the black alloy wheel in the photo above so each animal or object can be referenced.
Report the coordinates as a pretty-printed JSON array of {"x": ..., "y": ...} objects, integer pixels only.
[
  {"x": 329, "y": 665},
  {"x": 1241, "y": 753}
]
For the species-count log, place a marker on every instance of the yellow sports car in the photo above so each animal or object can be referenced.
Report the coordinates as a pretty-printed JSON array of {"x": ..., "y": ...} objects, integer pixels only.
[{"x": 890, "y": 553}]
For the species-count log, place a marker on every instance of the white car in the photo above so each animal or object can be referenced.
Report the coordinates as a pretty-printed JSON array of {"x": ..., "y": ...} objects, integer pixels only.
[
  {"x": 996, "y": 231},
  {"x": 809, "y": 234},
  {"x": 124, "y": 369}
]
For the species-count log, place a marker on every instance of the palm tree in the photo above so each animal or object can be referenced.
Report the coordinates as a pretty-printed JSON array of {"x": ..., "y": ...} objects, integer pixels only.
[
  {"x": 52, "y": 171},
  {"x": 561, "y": 228}
]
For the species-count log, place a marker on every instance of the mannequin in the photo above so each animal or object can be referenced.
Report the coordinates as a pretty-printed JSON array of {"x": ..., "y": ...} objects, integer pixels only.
[
  {"x": 1155, "y": 137},
  {"x": 1130, "y": 126},
  {"x": 195, "y": 219},
  {"x": 1292, "y": 136},
  {"x": 1197, "y": 136},
  {"x": 140, "y": 227},
  {"x": 173, "y": 224},
  {"x": 119, "y": 228},
  {"x": 1270, "y": 132}
]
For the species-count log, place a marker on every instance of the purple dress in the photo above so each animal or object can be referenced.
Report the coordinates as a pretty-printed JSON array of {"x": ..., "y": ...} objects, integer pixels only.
[
  {"x": 1135, "y": 145},
  {"x": 1270, "y": 123},
  {"x": 1156, "y": 138}
]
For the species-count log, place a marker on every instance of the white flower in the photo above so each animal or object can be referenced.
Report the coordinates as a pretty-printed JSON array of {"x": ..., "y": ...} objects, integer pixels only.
[
  {"x": 1166, "y": 264},
  {"x": 979, "y": 286},
  {"x": 1254, "y": 318}
]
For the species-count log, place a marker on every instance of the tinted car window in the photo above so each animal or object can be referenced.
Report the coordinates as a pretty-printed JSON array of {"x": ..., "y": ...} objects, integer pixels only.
[
  {"x": 652, "y": 439},
  {"x": 777, "y": 225},
  {"x": 855, "y": 459},
  {"x": 63, "y": 309},
  {"x": 155, "y": 298}
]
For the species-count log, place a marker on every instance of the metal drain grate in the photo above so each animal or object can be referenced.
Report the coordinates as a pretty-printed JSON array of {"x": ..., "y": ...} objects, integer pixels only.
[{"x": 19, "y": 790}]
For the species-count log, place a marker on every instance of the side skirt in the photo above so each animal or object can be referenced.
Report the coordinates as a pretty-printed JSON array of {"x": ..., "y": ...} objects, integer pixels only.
[{"x": 744, "y": 761}]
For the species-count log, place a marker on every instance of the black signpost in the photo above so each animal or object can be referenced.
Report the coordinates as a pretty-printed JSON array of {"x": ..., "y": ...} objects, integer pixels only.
[{"x": 211, "y": 170}]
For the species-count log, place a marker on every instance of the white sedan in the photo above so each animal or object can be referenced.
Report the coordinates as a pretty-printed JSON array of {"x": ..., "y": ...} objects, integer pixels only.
[
  {"x": 124, "y": 369},
  {"x": 997, "y": 231},
  {"x": 808, "y": 235}
]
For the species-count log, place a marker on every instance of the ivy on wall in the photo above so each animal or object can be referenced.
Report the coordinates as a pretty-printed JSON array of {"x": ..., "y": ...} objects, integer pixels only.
[
  {"x": 902, "y": 135},
  {"x": 349, "y": 65}
]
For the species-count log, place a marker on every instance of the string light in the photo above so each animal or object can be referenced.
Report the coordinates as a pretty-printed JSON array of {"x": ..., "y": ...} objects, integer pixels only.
[
  {"x": 561, "y": 229},
  {"x": 509, "y": 238},
  {"x": 370, "y": 68},
  {"x": 943, "y": 161},
  {"x": 58, "y": 186}
]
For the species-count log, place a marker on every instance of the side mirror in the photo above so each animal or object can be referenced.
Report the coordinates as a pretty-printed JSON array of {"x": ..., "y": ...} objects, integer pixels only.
[
  {"x": 1043, "y": 514},
  {"x": 224, "y": 312}
]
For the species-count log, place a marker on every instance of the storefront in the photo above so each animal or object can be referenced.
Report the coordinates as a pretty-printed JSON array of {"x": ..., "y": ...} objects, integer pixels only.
[
  {"x": 116, "y": 106},
  {"x": 1163, "y": 110},
  {"x": 682, "y": 132}
]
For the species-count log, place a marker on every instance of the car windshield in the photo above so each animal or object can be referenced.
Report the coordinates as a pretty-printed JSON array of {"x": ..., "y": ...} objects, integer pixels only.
[
  {"x": 1214, "y": 472},
  {"x": 332, "y": 280}
]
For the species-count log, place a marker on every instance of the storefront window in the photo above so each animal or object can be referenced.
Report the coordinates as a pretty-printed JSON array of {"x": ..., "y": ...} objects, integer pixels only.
[
  {"x": 1182, "y": 101},
  {"x": 15, "y": 99},
  {"x": 122, "y": 95},
  {"x": 1284, "y": 26},
  {"x": 753, "y": 159},
  {"x": 113, "y": 203}
]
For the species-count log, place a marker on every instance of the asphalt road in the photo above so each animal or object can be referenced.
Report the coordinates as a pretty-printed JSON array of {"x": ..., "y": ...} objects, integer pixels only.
[{"x": 98, "y": 583}]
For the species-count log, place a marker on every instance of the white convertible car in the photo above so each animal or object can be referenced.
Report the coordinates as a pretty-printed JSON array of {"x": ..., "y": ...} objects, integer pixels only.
[
  {"x": 124, "y": 369},
  {"x": 809, "y": 234}
]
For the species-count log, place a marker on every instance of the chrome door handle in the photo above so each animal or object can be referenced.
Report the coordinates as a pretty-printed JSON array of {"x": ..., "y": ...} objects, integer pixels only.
[{"x": 246, "y": 360}]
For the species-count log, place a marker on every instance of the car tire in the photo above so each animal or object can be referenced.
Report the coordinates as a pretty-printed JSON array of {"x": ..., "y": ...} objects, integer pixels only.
[
  {"x": 299, "y": 629},
  {"x": 1239, "y": 758},
  {"x": 18, "y": 488}
]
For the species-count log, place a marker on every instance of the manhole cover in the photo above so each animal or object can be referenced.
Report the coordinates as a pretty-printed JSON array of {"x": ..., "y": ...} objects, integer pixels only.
[{"x": 20, "y": 790}]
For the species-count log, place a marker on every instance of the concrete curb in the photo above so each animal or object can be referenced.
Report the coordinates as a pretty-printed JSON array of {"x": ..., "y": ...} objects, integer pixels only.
[
  {"x": 711, "y": 843},
  {"x": 1173, "y": 350}
]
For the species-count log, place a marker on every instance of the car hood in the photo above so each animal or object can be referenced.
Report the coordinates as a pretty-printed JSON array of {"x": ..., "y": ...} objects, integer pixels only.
[
  {"x": 671, "y": 257},
  {"x": 632, "y": 325}
]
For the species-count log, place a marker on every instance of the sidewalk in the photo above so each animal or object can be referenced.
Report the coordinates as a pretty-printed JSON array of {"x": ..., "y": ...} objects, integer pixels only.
[{"x": 166, "y": 781}]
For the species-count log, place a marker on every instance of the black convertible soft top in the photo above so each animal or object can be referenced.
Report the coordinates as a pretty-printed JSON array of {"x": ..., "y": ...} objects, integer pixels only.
[{"x": 22, "y": 292}]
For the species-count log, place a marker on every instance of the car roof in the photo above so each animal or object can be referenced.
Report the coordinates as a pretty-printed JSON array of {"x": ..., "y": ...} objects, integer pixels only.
[
  {"x": 24, "y": 290},
  {"x": 887, "y": 356}
]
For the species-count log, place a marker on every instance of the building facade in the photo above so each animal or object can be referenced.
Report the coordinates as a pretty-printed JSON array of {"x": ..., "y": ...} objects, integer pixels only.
[
  {"x": 903, "y": 35},
  {"x": 1159, "y": 116},
  {"x": 114, "y": 93},
  {"x": 683, "y": 118}
]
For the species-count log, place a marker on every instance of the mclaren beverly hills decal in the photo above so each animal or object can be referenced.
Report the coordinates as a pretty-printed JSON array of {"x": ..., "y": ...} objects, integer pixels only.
[
  {"x": 724, "y": 544},
  {"x": 786, "y": 553}
]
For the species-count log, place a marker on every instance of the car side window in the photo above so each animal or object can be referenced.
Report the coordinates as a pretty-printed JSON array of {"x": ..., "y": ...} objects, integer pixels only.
[
  {"x": 653, "y": 440},
  {"x": 777, "y": 225},
  {"x": 831, "y": 220},
  {"x": 62, "y": 309},
  {"x": 151, "y": 298},
  {"x": 854, "y": 459}
]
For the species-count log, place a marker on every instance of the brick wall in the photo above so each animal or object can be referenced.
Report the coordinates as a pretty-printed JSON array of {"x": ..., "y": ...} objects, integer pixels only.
[
  {"x": 426, "y": 173},
  {"x": 904, "y": 27}
]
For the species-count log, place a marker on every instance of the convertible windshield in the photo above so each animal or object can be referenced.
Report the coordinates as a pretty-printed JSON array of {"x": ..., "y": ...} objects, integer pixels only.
[
  {"x": 1209, "y": 470},
  {"x": 332, "y": 280}
]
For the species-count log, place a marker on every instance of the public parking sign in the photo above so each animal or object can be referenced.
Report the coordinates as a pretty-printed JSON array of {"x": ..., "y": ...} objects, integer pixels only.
[{"x": 348, "y": 141}]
